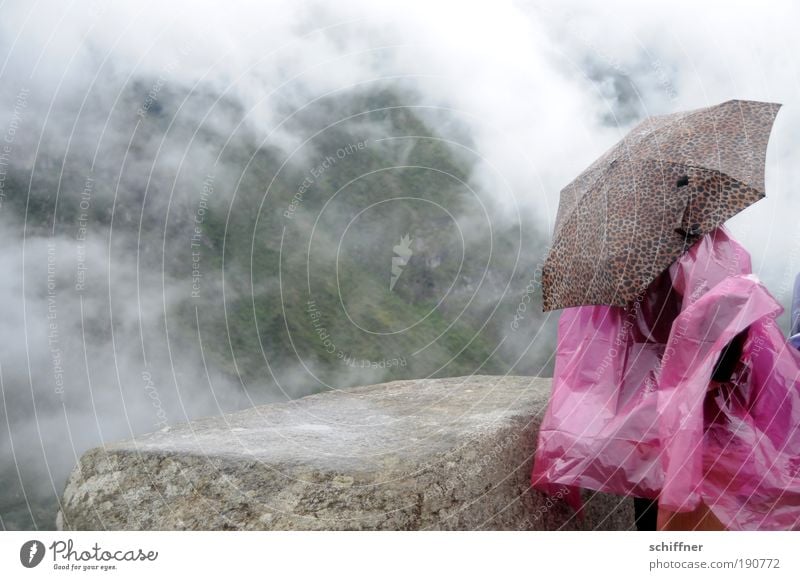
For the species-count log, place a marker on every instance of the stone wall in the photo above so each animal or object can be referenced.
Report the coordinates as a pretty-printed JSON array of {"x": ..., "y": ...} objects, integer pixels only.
[{"x": 433, "y": 454}]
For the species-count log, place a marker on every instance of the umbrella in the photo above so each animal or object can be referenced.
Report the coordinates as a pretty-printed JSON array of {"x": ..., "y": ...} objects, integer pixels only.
[{"x": 634, "y": 211}]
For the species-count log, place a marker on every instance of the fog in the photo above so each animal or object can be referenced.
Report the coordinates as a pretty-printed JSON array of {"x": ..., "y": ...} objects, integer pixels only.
[{"x": 112, "y": 117}]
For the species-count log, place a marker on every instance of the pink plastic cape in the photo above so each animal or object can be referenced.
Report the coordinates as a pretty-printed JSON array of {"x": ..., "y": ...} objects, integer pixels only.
[{"x": 633, "y": 410}]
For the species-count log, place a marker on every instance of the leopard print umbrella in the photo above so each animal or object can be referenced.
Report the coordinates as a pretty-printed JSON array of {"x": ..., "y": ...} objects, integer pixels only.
[{"x": 636, "y": 209}]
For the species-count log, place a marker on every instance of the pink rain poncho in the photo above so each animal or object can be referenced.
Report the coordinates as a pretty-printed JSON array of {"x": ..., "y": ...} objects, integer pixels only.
[{"x": 634, "y": 410}]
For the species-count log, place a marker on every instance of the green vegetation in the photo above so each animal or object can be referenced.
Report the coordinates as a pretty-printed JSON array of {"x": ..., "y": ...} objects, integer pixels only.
[{"x": 366, "y": 172}]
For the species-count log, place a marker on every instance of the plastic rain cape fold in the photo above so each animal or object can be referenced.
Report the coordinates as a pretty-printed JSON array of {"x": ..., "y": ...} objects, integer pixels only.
[{"x": 633, "y": 409}]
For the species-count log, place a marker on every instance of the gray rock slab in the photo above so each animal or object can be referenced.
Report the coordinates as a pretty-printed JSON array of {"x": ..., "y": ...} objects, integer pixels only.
[{"x": 431, "y": 454}]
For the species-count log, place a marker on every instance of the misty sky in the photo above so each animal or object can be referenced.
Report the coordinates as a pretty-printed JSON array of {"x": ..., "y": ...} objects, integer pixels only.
[
  {"x": 541, "y": 89},
  {"x": 546, "y": 87}
]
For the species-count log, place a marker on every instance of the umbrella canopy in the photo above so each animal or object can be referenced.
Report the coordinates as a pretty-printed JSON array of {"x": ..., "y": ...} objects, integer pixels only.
[{"x": 634, "y": 211}]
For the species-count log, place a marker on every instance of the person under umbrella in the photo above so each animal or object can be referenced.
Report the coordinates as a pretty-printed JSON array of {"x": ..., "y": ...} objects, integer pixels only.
[
  {"x": 666, "y": 386},
  {"x": 794, "y": 330}
]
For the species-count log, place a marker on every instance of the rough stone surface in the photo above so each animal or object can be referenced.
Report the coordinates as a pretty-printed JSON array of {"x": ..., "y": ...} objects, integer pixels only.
[{"x": 451, "y": 454}]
